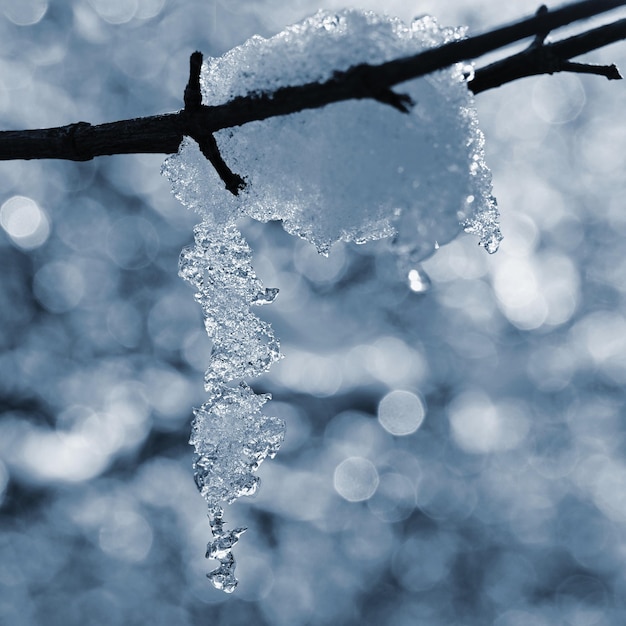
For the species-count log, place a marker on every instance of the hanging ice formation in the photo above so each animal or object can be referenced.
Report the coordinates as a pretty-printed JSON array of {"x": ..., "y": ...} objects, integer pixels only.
[
  {"x": 353, "y": 171},
  {"x": 230, "y": 435}
]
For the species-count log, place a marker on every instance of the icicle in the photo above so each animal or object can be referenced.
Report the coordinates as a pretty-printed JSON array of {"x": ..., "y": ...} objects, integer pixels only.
[
  {"x": 220, "y": 549},
  {"x": 230, "y": 435}
]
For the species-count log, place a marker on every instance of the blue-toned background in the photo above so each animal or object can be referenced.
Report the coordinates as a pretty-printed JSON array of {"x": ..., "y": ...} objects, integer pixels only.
[{"x": 504, "y": 504}]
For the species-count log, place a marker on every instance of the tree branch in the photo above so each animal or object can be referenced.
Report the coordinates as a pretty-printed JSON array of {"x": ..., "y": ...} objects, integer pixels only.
[
  {"x": 163, "y": 133},
  {"x": 205, "y": 140},
  {"x": 550, "y": 58}
]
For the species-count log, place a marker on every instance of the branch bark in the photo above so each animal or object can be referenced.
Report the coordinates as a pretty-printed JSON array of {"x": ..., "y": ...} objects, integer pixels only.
[
  {"x": 163, "y": 133},
  {"x": 550, "y": 58}
]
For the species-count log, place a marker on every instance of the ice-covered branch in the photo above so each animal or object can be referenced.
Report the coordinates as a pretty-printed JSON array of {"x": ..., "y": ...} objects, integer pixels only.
[
  {"x": 419, "y": 177},
  {"x": 163, "y": 133}
]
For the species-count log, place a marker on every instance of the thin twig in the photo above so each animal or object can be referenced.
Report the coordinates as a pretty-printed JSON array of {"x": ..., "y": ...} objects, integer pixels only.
[
  {"x": 541, "y": 36},
  {"x": 550, "y": 58},
  {"x": 193, "y": 94},
  {"x": 608, "y": 71},
  {"x": 205, "y": 140}
]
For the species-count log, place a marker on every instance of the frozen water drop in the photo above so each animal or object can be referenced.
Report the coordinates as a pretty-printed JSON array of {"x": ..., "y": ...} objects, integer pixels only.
[
  {"x": 223, "y": 578},
  {"x": 486, "y": 225},
  {"x": 492, "y": 244},
  {"x": 266, "y": 296},
  {"x": 220, "y": 549}
]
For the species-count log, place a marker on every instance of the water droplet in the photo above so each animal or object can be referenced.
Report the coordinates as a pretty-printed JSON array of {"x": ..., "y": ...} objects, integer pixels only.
[{"x": 223, "y": 578}]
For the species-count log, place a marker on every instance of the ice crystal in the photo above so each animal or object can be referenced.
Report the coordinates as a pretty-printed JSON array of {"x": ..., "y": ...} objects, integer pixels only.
[
  {"x": 231, "y": 438},
  {"x": 353, "y": 171}
]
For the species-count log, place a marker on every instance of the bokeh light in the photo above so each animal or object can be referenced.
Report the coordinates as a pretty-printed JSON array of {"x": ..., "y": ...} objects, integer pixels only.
[
  {"x": 401, "y": 412},
  {"x": 356, "y": 479},
  {"x": 25, "y": 222},
  {"x": 26, "y": 13}
]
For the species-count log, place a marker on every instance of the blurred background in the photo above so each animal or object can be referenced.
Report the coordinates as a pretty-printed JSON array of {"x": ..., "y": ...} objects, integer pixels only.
[{"x": 455, "y": 451}]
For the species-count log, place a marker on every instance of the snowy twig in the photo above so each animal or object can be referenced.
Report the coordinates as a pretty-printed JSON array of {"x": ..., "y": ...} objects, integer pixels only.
[{"x": 163, "y": 133}]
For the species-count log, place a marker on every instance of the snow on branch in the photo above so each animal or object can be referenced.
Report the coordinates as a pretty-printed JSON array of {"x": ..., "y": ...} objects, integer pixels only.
[{"x": 163, "y": 133}]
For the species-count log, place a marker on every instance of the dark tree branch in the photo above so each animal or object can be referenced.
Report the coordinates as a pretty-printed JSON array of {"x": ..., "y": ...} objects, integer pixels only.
[
  {"x": 550, "y": 58},
  {"x": 608, "y": 71},
  {"x": 540, "y": 37},
  {"x": 193, "y": 94},
  {"x": 163, "y": 133},
  {"x": 82, "y": 141},
  {"x": 205, "y": 139},
  {"x": 209, "y": 148}
]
